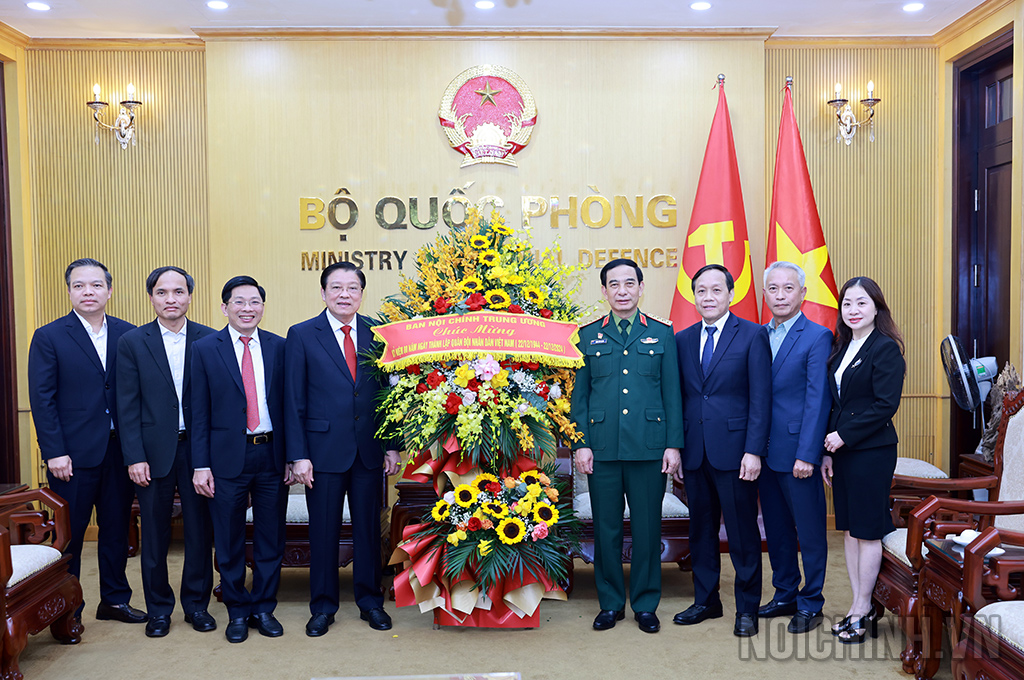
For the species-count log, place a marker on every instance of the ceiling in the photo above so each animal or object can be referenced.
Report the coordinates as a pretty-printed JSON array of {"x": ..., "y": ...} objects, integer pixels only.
[{"x": 178, "y": 18}]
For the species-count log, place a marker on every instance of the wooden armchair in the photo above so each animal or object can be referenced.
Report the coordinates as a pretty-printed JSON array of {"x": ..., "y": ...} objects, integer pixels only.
[
  {"x": 992, "y": 642},
  {"x": 903, "y": 550},
  {"x": 38, "y": 590}
]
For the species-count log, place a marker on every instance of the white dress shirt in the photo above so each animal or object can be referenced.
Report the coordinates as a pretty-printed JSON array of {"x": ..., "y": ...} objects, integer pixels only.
[
  {"x": 851, "y": 352},
  {"x": 174, "y": 346},
  {"x": 720, "y": 325},
  {"x": 256, "y": 350},
  {"x": 339, "y": 335}
]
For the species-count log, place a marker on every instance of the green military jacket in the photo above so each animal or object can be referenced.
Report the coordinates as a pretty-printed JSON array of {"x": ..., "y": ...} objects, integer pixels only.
[{"x": 627, "y": 401}]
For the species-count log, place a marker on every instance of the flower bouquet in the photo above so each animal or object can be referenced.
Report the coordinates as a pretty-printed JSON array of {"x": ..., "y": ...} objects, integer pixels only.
[{"x": 480, "y": 351}]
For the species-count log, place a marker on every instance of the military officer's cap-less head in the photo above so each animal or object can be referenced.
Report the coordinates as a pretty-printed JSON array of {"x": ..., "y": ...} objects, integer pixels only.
[{"x": 622, "y": 284}]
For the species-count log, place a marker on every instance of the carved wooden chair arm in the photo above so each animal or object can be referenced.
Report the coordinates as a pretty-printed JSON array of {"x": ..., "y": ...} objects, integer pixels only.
[
  {"x": 35, "y": 526},
  {"x": 996, "y": 575},
  {"x": 6, "y": 567},
  {"x": 926, "y": 484},
  {"x": 922, "y": 523}
]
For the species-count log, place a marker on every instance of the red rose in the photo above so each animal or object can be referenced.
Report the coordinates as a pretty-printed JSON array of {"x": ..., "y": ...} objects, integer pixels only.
[
  {"x": 421, "y": 388},
  {"x": 441, "y": 305},
  {"x": 473, "y": 384},
  {"x": 493, "y": 488},
  {"x": 476, "y": 302},
  {"x": 515, "y": 309},
  {"x": 543, "y": 389},
  {"x": 435, "y": 378},
  {"x": 473, "y": 524},
  {"x": 546, "y": 313},
  {"x": 453, "y": 404},
  {"x": 531, "y": 365},
  {"x": 413, "y": 369},
  {"x": 514, "y": 365}
]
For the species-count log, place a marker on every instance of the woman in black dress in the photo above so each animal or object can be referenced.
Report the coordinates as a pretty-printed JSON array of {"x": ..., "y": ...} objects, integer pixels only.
[{"x": 866, "y": 370}]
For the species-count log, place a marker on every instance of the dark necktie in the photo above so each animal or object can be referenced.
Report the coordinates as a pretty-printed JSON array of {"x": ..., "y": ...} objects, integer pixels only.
[
  {"x": 709, "y": 350},
  {"x": 350, "y": 351},
  {"x": 252, "y": 405},
  {"x": 624, "y": 328}
]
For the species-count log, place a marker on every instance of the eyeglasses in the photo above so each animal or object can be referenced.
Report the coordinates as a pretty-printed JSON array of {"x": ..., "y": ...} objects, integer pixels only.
[{"x": 241, "y": 304}]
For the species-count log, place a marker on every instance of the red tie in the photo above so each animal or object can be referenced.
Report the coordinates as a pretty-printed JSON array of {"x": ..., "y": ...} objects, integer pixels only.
[
  {"x": 252, "y": 406},
  {"x": 350, "y": 351}
]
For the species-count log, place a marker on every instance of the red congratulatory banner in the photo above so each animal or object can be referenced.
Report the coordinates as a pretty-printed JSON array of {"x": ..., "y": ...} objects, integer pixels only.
[{"x": 501, "y": 334}]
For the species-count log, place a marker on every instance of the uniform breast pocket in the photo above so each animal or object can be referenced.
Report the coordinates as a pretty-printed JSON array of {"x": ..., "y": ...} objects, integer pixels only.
[
  {"x": 649, "y": 358},
  {"x": 655, "y": 435},
  {"x": 599, "y": 358}
]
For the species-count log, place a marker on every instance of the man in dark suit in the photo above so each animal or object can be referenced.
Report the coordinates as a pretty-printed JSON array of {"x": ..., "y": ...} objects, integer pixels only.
[
  {"x": 627, "y": 406},
  {"x": 792, "y": 495},
  {"x": 238, "y": 452},
  {"x": 331, "y": 425},
  {"x": 154, "y": 406},
  {"x": 725, "y": 367},
  {"x": 71, "y": 382}
]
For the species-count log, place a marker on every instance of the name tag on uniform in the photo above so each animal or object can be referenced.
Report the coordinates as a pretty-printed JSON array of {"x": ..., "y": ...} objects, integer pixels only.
[{"x": 599, "y": 341}]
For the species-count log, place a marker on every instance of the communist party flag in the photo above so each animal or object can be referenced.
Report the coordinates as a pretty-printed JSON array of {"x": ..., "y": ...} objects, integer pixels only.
[
  {"x": 718, "y": 226},
  {"x": 794, "y": 228}
]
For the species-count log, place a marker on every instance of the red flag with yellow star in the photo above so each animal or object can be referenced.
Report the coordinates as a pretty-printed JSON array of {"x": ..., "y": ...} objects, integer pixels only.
[
  {"x": 718, "y": 225},
  {"x": 794, "y": 229}
]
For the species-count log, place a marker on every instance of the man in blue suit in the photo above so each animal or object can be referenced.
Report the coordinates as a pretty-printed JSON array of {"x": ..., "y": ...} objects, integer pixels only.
[
  {"x": 331, "y": 426},
  {"x": 238, "y": 453},
  {"x": 71, "y": 382},
  {"x": 725, "y": 371},
  {"x": 792, "y": 495}
]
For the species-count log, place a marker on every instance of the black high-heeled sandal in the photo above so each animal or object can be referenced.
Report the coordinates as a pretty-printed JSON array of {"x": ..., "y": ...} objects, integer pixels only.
[
  {"x": 858, "y": 629},
  {"x": 841, "y": 626}
]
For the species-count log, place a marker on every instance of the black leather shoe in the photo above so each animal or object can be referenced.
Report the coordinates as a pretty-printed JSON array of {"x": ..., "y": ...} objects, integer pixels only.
[
  {"x": 606, "y": 618},
  {"x": 125, "y": 613},
  {"x": 804, "y": 621},
  {"x": 377, "y": 618},
  {"x": 746, "y": 625},
  {"x": 158, "y": 626},
  {"x": 648, "y": 621},
  {"x": 237, "y": 630},
  {"x": 266, "y": 624},
  {"x": 697, "y": 613},
  {"x": 776, "y": 608},
  {"x": 318, "y": 624},
  {"x": 201, "y": 621}
]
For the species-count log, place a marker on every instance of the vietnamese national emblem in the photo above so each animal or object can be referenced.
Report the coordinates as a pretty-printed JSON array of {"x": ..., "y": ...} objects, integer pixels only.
[{"x": 488, "y": 113}]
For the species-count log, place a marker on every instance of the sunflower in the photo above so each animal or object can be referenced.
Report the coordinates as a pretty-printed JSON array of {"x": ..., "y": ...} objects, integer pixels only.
[
  {"x": 497, "y": 299},
  {"x": 501, "y": 228},
  {"x": 440, "y": 511},
  {"x": 545, "y": 513},
  {"x": 471, "y": 284},
  {"x": 483, "y": 479},
  {"x": 533, "y": 294},
  {"x": 495, "y": 509},
  {"x": 530, "y": 477},
  {"x": 511, "y": 530},
  {"x": 479, "y": 242},
  {"x": 465, "y": 495},
  {"x": 490, "y": 257}
]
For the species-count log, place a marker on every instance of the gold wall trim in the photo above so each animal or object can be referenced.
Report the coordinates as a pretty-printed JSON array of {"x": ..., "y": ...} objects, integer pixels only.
[
  {"x": 969, "y": 21},
  {"x": 908, "y": 41},
  {"x": 118, "y": 44},
  {"x": 321, "y": 33},
  {"x": 13, "y": 35}
]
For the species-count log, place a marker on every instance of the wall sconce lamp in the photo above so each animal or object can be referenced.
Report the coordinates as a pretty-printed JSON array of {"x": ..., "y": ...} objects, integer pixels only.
[
  {"x": 124, "y": 124},
  {"x": 846, "y": 119}
]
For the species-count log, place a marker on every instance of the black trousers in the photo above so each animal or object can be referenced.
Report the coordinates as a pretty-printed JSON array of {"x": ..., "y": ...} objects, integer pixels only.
[
  {"x": 108, "y": 488},
  {"x": 325, "y": 502},
  {"x": 156, "y": 502},
  {"x": 713, "y": 495},
  {"x": 265, "y": 484}
]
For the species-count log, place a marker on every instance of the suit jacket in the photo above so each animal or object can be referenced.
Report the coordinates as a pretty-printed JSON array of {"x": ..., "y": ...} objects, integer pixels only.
[
  {"x": 73, "y": 397},
  {"x": 329, "y": 418},
  {"x": 728, "y": 413},
  {"x": 218, "y": 402},
  {"x": 147, "y": 404},
  {"x": 800, "y": 396},
  {"x": 626, "y": 401},
  {"x": 872, "y": 385}
]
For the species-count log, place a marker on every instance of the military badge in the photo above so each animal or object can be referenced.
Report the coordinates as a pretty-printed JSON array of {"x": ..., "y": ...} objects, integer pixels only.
[
  {"x": 488, "y": 114},
  {"x": 649, "y": 341}
]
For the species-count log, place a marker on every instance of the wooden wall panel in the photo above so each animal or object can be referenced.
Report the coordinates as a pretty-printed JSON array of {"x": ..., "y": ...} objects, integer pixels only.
[{"x": 877, "y": 202}]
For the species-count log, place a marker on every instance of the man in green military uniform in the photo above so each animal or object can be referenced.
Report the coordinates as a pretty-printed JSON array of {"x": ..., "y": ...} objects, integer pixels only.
[{"x": 628, "y": 405}]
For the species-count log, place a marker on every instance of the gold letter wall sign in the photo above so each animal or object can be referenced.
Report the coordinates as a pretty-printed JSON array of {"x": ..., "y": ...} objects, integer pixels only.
[{"x": 488, "y": 113}]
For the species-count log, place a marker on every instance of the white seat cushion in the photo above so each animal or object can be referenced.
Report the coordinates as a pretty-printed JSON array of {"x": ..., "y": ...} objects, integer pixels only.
[
  {"x": 670, "y": 507},
  {"x": 1004, "y": 619},
  {"x": 915, "y": 467},
  {"x": 297, "y": 512},
  {"x": 29, "y": 559},
  {"x": 896, "y": 545}
]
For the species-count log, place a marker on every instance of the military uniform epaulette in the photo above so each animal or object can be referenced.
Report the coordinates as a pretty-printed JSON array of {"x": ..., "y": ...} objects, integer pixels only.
[
  {"x": 658, "y": 319},
  {"x": 591, "y": 323}
]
